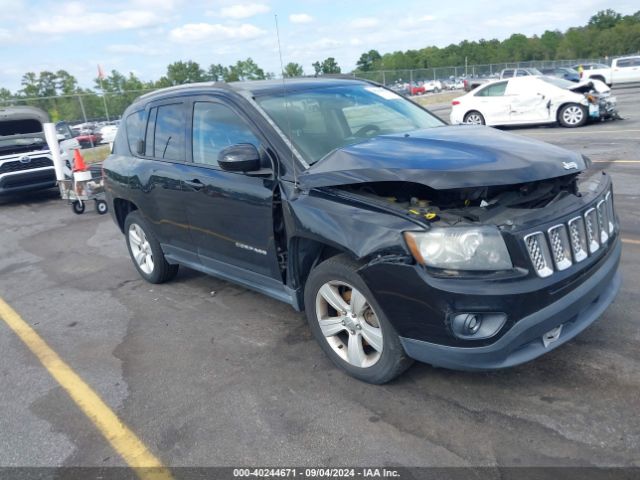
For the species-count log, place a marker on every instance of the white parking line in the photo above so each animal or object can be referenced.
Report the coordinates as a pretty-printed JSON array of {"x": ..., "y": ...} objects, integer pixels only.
[
  {"x": 616, "y": 161},
  {"x": 583, "y": 132}
]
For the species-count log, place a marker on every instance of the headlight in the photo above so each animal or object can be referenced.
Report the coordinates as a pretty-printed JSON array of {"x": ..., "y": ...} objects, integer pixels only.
[{"x": 460, "y": 248}]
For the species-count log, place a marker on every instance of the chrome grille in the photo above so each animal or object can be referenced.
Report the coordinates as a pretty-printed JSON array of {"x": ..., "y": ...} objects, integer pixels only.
[
  {"x": 603, "y": 221},
  {"x": 591, "y": 226},
  {"x": 539, "y": 253},
  {"x": 578, "y": 239},
  {"x": 560, "y": 248},
  {"x": 566, "y": 244},
  {"x": 609, "y": 199}
]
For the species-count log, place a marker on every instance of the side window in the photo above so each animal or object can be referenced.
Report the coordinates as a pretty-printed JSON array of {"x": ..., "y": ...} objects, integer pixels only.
[
  {"x": 215, "y": 127},
  {"x": 624, "y": 63},
  {"x": 494, "y": 90},
  {"x": 507, "y": 73},
  {"x": 135, "y": 130},
  {"x": 635, "y": 62},
  {"x": 168, "y": 142},
  {"x": 521, "y": 73}
]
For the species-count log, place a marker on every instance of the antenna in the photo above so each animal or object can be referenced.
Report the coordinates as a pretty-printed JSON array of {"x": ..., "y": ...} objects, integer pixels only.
[{"x": 286, "y": 108}]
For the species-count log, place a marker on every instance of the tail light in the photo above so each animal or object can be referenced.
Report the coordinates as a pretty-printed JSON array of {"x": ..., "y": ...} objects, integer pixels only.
[{"x": 455, "y": 102}]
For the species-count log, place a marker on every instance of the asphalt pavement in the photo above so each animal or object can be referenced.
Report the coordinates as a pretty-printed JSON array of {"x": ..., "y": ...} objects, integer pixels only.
[{"x": 207, "y": 373}]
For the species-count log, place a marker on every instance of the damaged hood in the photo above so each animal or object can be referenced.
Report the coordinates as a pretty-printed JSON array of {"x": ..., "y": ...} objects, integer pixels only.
[
  {"x": 588, "y": 84},
  {"x": 444, "y": 157}
]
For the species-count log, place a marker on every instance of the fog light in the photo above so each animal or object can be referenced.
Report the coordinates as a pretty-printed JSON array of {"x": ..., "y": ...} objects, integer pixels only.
[{"x": 476, "y": 326}]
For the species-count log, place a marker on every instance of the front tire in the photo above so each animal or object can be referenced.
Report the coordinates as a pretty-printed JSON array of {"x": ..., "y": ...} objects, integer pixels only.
[
  {"x": 78, "y": 207},
  {"x": 145, "y": 250},
  {"x": 349, "y": 325},
  {"x": 572, "y": 115},
  {"x": 474, "y": 118}
]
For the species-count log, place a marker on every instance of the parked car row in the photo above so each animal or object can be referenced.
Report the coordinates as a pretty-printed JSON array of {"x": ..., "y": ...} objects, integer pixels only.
[
  {"x": 89, "y": 135},
  {"x": 622, "y": 70}
]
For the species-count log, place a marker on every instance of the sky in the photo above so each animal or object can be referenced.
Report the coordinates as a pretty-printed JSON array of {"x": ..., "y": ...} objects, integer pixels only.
[{"x": 144, "y": 36}]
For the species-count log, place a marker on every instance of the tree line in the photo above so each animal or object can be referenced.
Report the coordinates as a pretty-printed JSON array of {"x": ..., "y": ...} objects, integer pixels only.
[
  {"x": 607, "y": 33},
  {"x": 60, "y": 94}
]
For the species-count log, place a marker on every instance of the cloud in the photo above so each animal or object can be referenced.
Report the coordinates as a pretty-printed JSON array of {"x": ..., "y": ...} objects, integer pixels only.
[
  {"x": 243, "y": 10},
  {"x": 300, "y": 18},
  {"x": 81, "y": 20},
  {"x": 156, "y": 4},
  {"x": 198, "y": 32},
  {"x": 364, "y": 22},
  {"x": 136, "y": 49}
]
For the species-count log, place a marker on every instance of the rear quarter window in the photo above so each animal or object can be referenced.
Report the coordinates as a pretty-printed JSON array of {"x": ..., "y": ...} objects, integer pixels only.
[{"x": 135, "y": 130}]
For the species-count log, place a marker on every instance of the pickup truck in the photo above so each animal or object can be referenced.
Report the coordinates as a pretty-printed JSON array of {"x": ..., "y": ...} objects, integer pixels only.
[
  {"x": 401, "y": 237},
  {"x": 26, "y": 163},
  {"x": 622, "y": 70}
]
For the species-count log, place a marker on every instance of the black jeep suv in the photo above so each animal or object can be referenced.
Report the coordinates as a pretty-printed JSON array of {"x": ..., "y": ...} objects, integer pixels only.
[{"x": 401, "y": 237}]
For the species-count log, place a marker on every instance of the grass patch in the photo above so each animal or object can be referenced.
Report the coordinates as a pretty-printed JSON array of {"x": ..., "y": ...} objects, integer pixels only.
[
  {"x": 96, "y": 154},
  {"x": 445, "y": 97}
]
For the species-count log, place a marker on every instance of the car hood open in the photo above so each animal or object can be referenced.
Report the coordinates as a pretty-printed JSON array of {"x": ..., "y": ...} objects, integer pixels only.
[{"x": 444, "y": 157}]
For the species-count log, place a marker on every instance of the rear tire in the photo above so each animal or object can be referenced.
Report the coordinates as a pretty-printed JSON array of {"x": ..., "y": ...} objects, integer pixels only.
[
  {"x": 359, "y": 339},
  {"x": 474, "y": 118},
  {"x": 145, "y": 250},
  {"x": 101, "y": 207},
  {"x": 572, "y": 115}
]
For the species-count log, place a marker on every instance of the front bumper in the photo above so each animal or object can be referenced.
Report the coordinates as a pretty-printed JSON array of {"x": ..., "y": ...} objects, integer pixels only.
[
  {"x": 27, "y": 180},
  {"x": 523, "y": 342}
]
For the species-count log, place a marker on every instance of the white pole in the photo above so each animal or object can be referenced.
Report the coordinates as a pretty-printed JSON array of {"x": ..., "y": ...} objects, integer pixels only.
[{"x": 52, "y": 140}]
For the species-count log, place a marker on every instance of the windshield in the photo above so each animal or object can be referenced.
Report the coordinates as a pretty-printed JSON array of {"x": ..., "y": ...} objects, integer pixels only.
[
  {"x": 321, "y": 120},
  {"x": 559, "y": 82}
]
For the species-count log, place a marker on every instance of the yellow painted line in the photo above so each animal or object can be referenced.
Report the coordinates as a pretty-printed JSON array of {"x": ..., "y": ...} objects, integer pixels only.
[
  {"x": 633, "y": 242},
  {"x": 121, "y": 438},
  {"x": 616, "y": 161}
]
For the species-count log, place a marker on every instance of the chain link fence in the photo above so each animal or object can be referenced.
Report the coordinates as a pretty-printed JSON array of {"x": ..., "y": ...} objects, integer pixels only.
[{"x": 391, "y": 77}]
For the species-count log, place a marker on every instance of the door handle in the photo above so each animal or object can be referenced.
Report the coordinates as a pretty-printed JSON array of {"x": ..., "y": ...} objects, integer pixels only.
[{"x": 195, "y": 184}]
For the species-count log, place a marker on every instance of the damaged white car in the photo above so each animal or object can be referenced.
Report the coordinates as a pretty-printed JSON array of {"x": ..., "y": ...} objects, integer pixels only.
[{"x": 535, "y": 100}]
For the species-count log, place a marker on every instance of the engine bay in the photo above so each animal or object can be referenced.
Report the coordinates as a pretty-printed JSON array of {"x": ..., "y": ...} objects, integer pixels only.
[{"x": 464, "y": 205}]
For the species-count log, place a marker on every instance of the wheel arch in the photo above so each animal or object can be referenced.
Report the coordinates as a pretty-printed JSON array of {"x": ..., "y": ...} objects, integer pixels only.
[
  {"x": 122, "y": 208},
  {"x": 304, "y": 255}
]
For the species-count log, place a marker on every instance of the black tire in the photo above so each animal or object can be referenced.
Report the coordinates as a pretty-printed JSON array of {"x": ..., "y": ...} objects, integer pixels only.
[
  {"x": 392, "y": 360},
  {"x": 101, "y": 207},
  {"x": 569, "y": 120},
  {"x": 78, "y": 207},
  {"x": 162, "y": 270},
  {"x": 477, "y": 114}
]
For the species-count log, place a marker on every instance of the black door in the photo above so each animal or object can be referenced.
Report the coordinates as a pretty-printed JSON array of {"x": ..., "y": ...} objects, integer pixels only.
[
  {"x": 229, "y": 213},
  {"x": 158, "y": 174}
]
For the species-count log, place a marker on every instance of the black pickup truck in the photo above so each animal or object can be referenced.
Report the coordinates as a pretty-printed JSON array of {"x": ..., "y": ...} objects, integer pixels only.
[{"x": 400, "y": 237}]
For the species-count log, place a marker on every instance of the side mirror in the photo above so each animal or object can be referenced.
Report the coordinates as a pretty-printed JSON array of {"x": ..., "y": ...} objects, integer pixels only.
[{"x": 242, "y": 157}]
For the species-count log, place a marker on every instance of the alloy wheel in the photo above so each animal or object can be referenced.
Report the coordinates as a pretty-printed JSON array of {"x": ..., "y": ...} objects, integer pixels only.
[
  {"x": 572, "y": 115},
  {"x": 141, "y": 249},
  {"x": 474, "y": 119},
  {"x": 349, "y": 324}
]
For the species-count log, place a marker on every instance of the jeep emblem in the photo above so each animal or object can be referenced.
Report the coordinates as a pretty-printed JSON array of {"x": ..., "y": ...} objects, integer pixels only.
[
  {"x": 25, "y": 159},
  {"x": 569, "y": 165}
]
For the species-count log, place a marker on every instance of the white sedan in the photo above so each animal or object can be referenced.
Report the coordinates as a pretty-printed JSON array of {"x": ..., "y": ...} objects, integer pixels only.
[{"x": 534, "y": 100}]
